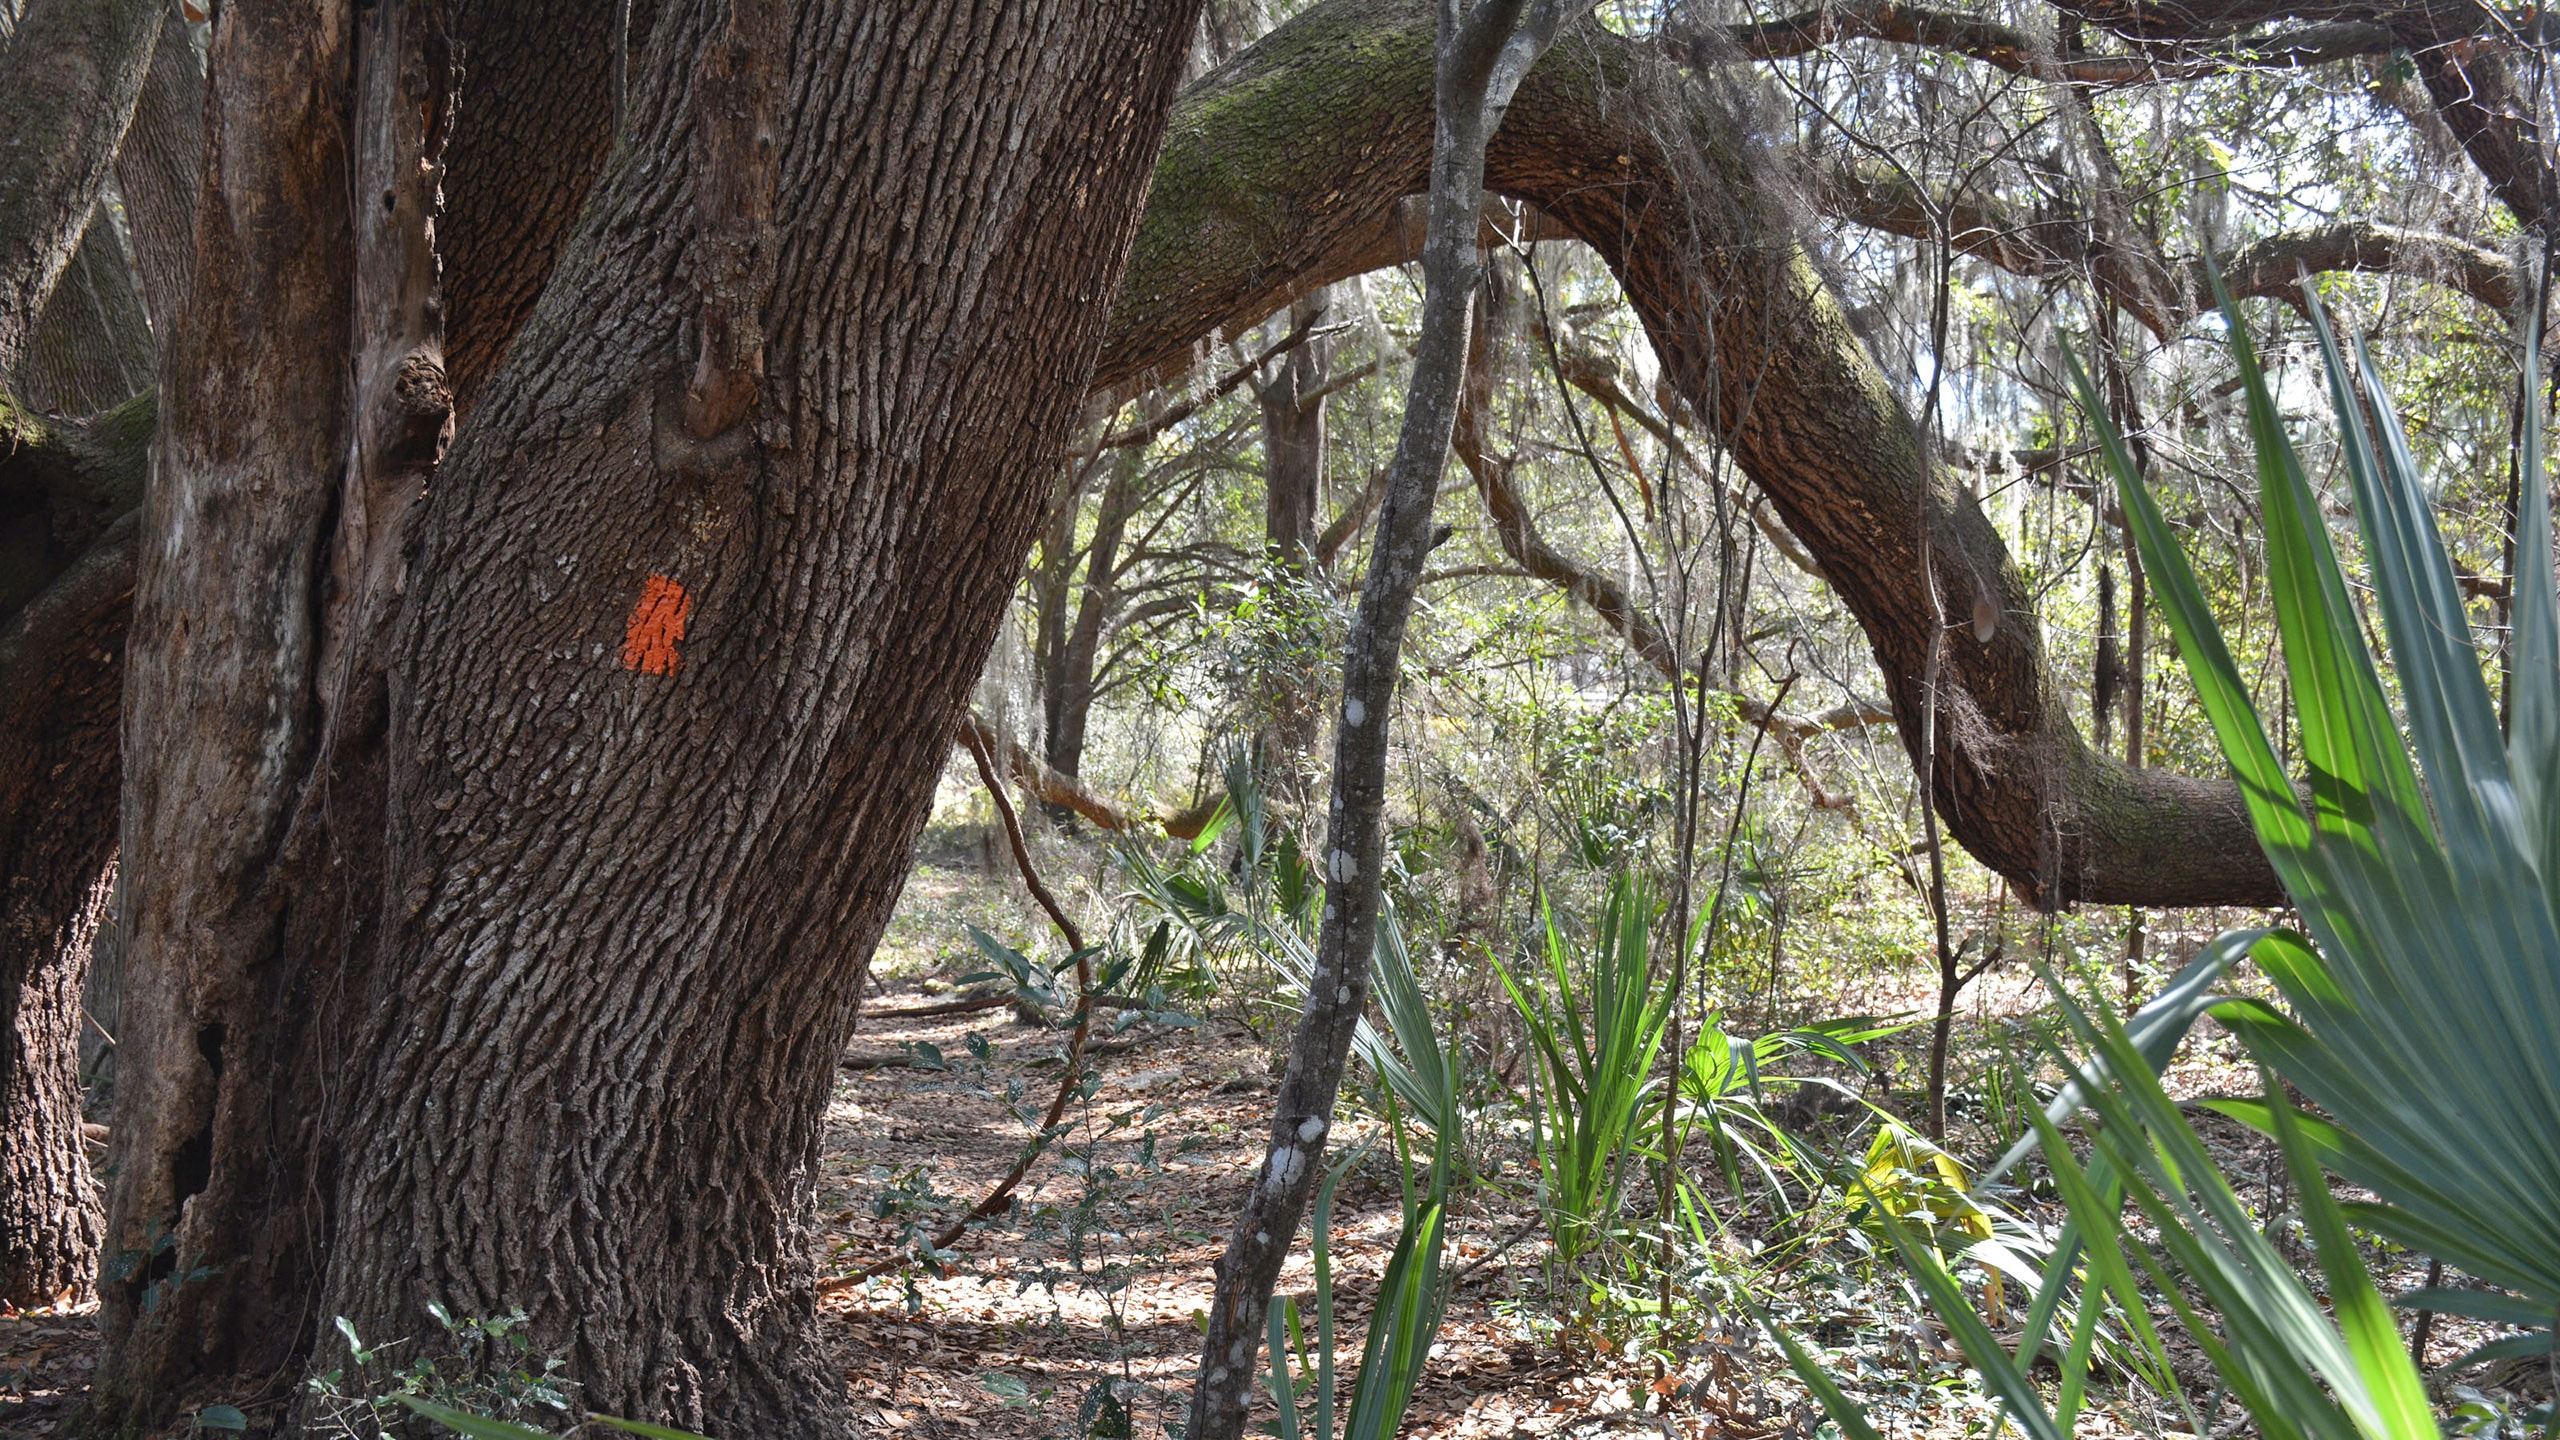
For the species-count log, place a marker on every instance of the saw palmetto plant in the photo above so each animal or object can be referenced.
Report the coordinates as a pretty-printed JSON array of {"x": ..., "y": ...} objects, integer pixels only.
[
  {"x": 1595, "y": 1022},
  {"x": 2421, "y": 997}
]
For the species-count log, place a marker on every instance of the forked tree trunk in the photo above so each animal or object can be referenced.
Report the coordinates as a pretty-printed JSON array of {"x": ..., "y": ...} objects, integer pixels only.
[
  {"x": 1067, "y": 690},
  {"x": 683, "y": 627},
  {"x": 670, "y": 705}
]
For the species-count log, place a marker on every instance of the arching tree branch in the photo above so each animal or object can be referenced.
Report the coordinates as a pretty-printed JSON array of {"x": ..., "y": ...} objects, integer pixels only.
[
  {"x": 1643, "y": 164},
  {"x": 1050, "y": 787}
]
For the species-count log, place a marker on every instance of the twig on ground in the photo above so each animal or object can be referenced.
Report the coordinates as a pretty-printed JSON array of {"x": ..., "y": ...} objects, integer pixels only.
[
  {"x": 1001, "y": 1196},
  {"x": 904, "y": 1059},
  {"x": 1527, "y": 1227},
  {"x": 975, "y": 1003},
  {"x": 970, "y": 1006}
]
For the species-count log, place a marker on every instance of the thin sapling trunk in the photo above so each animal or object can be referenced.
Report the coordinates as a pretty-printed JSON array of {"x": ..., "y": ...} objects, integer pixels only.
[{"x": 1482, "y": 51}]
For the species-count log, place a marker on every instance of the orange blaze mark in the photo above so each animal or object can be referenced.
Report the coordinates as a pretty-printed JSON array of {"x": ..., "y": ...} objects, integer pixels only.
[{"x": 657, "y": 624}]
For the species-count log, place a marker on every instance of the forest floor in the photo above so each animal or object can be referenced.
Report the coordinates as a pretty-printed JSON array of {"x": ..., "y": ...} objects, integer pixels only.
[
  {"x": 1100, "y": 1275},
  {"x": 1092, "y": 1284}
]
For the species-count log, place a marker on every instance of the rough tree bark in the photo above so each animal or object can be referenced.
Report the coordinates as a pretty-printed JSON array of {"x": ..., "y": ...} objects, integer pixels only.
[
  {"x": 69, "y": 76},
  {"x": 91, "y": 350},
  {"x": 537, "y": 116},
  {"x": 1481, "y": 51},
  {"x": 1618, "y": 148},
  {"x": 59, "y": 690},
  {"x": 67, "y": 493},
  {"x": 161, "y": 164},
  {"x": 676, "y": 649}
]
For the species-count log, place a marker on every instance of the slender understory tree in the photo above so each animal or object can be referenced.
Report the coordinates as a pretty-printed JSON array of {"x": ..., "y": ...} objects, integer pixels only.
[{"x": 1481, "y": 51}]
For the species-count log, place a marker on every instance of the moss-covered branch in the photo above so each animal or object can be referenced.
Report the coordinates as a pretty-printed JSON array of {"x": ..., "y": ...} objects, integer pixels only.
[{"x": 1284, "y": 170}]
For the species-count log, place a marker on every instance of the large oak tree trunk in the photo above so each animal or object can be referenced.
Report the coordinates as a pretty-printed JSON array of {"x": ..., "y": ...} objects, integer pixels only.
[
  {"x": 667, "y": 668},
  {"x": 672, "y": 698}
]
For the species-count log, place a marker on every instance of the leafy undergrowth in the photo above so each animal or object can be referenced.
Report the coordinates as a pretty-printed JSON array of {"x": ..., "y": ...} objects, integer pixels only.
[
  {"x": 1080, "y": 1306},
  {"x": 1074, "y": 1314}
]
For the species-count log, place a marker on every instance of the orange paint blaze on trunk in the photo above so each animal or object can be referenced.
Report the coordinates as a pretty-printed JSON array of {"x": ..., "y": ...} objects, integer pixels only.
[{"x": 656, "y": 626}]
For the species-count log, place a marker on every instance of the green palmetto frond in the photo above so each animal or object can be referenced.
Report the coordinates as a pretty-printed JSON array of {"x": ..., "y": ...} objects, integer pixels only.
[
  {"x": 2426, "y": 1002},
  {"x": 1595, "y": 1028},
  {"x": 2422, "y": 1010}
]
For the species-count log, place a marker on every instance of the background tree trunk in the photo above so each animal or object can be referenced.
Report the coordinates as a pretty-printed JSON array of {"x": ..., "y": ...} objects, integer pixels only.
[
  {"x": 1292, "y": 408},
  {"x": 69, "y": 75},
  {"x": 1293, "y": 455},
  {"x": 1067, "y": 690},
  {"x": 66, "y": 589}
]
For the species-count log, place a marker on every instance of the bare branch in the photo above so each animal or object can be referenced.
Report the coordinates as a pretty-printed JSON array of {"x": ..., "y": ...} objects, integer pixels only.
[
  {"x": 1050, "y": 787},
  {"x": 2011, "y": 49},
  {"x": 2052, "y": 246}
]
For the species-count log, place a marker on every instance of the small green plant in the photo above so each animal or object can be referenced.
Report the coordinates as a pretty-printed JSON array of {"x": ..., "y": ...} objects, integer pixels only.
[
  {"x": 1414, "y": 1294},
  {"x": 1218, "y": 922},
  {"x": 482, "y": 1427},
  {"x": 1595, "y": 1028},
  {"x": 485, "y": 1367},
  {"x": 1910, "y": 1183},
  {"x": 1726, "y": 1082}
]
